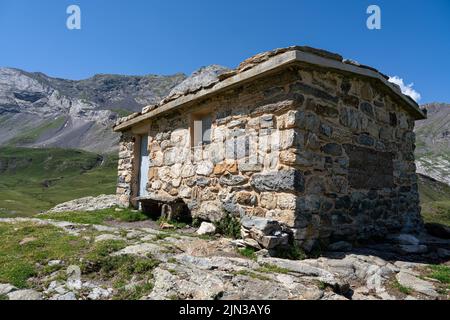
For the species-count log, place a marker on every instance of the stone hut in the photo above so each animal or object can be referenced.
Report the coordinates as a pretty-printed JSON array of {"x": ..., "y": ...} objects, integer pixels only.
[{"x": 298, "y": 143}]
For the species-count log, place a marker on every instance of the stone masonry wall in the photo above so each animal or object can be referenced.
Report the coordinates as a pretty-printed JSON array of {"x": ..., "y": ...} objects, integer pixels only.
[
  {"x": 357, "y": 158},
  {"x": 328, "y": 155},
  {"x": 126, "y": 168}
]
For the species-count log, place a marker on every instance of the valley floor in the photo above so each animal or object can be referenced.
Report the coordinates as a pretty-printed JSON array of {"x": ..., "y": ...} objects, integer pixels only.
[{"x": 50, "y": 259}]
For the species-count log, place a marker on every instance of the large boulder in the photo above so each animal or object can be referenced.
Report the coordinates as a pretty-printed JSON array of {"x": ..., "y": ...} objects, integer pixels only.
[
  {"x": 206, "y": 228},
  {"x": 88, "y": 204},
  {"x": 6, "y": 288},
  {"x": 409, "y": 280},
  {"x": 26, "y": 294}
]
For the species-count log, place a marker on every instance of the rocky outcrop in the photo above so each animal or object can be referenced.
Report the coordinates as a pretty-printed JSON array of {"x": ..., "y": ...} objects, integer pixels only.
[
  {"x": 411, "y": 280},
  {"x": 40, "y": 111},
  {"x": 189, "y": 267},
  {"x": 26, "y": 294},
  {"x": 87, "y": 204}
]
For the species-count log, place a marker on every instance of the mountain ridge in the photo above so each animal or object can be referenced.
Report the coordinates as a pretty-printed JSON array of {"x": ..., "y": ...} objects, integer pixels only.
[
  {"x": 41, "y": 111},
  {"x": 433, "y": 142}
]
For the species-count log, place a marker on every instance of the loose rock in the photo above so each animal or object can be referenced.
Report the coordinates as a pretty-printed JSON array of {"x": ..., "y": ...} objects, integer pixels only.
[
  {"x": 206, "y": 228},
  {"x": 6, "y": 288},
  {"x": 27, "y": 294},
  {"x": 409, "y": 280}
]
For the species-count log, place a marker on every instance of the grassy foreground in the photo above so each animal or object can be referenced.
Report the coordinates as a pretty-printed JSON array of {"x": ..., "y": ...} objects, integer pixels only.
[
  {"x": 26, "y": 249},
  {"x": 35, "y": 180},
  {"x": 26, "y": 245}
]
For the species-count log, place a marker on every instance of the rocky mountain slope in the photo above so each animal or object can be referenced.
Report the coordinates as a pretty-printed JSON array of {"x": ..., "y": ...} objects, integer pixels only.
[
  {"x": 40, "y": 111},
  {"x": 433, "y": 142}
]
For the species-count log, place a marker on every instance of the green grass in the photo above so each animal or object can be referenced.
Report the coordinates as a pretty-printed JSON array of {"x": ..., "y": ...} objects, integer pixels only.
[
  {"x": 18, "y": 262},
  {"x": 99, "y": 261},
  {"x": 176, "y": 224},
  {"x": 229, "y": 226},
  {"x": 437, "y": 212},
  {"x": 135, "y": 293},
  {"x": 172, "y": 260},
  {"x": 435, "y": 200},
  {"x": 252, "y": 274},
  {"x": 440, "y": 273},
  {"x": 292, "y": 252},
  {"x": 35, "y": 180},
  {"x": 33, "y": 135},
  {"x": 97, "y": 216},
  {"x": 271, "y": 268},
  {"x": 161, "y": 236},
  {"x": 122, "y": 112},
  {"x": 103, "y": 249},
  {"x": 119, "y": 270},
  {"x": 321, "y": 285},
  {"x": 431, "y": 190},
  {"x": 247, "y": 252},
  {"x": 402, "y": 289}
]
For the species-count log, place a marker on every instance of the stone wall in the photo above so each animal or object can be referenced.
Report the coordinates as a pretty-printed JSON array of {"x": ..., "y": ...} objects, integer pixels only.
[
  {"x": 293, "y": 147},
  {"x": 126, "y": 168},
  {"x": 358, "y": 160}
]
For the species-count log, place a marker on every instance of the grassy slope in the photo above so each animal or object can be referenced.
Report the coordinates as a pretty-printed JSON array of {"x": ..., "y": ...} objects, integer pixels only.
[
  {"x": 31, "y": 135},
  {"x": 122, "y": 112},
  {"x": 37, "y": 179},
  {"x": 435, "y": 200}
]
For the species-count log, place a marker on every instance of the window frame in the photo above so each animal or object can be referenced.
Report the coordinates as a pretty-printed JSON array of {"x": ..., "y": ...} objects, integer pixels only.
[{"x": 197, "y": 139}]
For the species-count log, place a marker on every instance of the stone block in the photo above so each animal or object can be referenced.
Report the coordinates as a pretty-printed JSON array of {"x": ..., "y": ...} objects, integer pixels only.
[
  {"x": 246, "y": 198},
  {"x": 268, "y": 200},
  {"x": 232, "y": 180},
  {"x": 286, "y": 180}
]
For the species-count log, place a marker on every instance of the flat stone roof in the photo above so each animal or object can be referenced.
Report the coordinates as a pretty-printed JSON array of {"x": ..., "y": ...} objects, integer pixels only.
[{"x": 260, "y": 65}]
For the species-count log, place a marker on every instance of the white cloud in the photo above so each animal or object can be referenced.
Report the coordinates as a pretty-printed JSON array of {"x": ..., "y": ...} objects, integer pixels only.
[{"x": 406, "y": 89}]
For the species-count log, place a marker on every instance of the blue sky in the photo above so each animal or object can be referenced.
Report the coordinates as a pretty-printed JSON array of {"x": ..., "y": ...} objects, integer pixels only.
[{"x": 166, "y": 37}]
